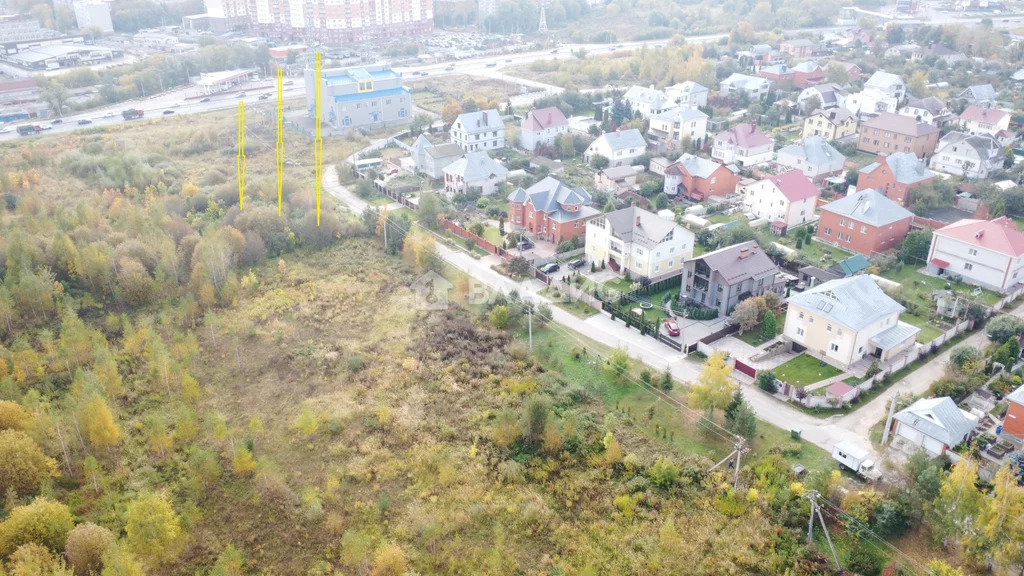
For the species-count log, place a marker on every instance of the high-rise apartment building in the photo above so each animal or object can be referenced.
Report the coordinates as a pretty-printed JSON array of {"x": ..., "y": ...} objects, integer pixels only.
[{"x": 333, "y": 22}]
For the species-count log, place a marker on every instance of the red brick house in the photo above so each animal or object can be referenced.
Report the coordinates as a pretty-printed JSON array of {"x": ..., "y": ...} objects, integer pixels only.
[
  {"x": 865, "y": 222},
  {"x": 550, "y": 210},
  {"x": 800, "y": 76},
  {"x": 895, "y": 176},
  {"x": 697, "y": 178},
  {"x": 1013, "y": 423},
  {"x": 852, "y": 70}
]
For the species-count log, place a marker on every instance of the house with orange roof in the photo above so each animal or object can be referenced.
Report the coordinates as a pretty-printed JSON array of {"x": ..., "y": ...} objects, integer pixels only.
[
  {"x": 986, "y": 253},
  {"x": 788, "y": 198},
  {"x": 743, "y": 144},
  {"x": 540, "y": 127}
]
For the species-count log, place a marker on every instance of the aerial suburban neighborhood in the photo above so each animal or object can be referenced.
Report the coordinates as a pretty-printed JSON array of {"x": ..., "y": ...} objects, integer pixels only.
[{"x": 482, "y": 287}]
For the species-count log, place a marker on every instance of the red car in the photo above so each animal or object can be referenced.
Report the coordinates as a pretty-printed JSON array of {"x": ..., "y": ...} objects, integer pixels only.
[{"x": 672, "y": 327}]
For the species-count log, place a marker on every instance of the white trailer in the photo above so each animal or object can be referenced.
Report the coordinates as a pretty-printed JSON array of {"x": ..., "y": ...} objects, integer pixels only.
[{"x": 855, "y": 458}]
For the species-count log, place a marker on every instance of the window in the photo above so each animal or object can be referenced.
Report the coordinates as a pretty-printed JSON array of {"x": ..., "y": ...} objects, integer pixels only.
[
  {"x": 801, "y": 315},
  {"x": 810, "y": 320},
  {"x": 834, "y": 347},
  {"x": 842, "y": 221},
  {"x": 863, "y": 229},
  {"x": 828, "y": 328},
  {"x": 799, "y": 331},
  {"x": 973, "y": 251},
  {"x": 968, "y": 266},
  {"x": 347, "y": 121},
  {"x": 839, "y": 332},
  {"x": 401, "y": 113},
  {"x": 670, "y": 261},
  {"x": 828, "y": 231}
]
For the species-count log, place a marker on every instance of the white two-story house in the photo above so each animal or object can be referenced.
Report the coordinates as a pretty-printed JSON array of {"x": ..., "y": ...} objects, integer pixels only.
[
  {"x": 688, "y": 94},
  {"x": 788, "y": 198},
  {"x": 844, "y": 320},
  {"x": 743, "y": 144},
  {"x": 736, "y": 85},
  {"x": 620, "y": 147},
  {"x": 541, "y": 126},
  {"x": 987, "y": 253},
  {"x": 965, "y": 155},
  {"x": 669, "y": 129},
  {"x": 648, "y": 101},
  {"x": 639, "y": 241},
  {"x": 978, "y": 120},
  {"x": 481, "y": 130}
]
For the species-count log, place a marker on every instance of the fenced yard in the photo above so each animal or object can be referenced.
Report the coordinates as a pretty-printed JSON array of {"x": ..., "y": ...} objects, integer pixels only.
[{"x": 805, "y": 370}]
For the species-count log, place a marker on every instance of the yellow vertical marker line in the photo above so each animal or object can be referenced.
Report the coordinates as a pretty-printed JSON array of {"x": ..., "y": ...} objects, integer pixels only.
[
  {"x": 318, "y": 142},
  {"x": 280, "y": 137},
  {"x": 241, "y": 155}
]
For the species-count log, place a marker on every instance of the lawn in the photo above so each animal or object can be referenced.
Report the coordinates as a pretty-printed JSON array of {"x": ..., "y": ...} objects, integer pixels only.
[
  {"x": 754, "y": 337},
  {"x": 492, "y": 235},
  {"x": 567, "y": 303},
  {"x": 379, "y": 200},
  {"x": 813, "y": 252},
  {"x": 918, "y": 287},
  {"x": 804, "y": 370},
  {"x": 928, "y": 331},
  {"x": 630, "y": 401},
  {"x": 620, "y": 285}
]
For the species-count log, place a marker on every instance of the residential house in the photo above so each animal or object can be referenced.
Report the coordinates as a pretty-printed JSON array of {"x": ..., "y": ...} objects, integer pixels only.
[
  {"x": 983, "y": 95},
  {"x": 987, "y": 253},
  {"x": 582, "y": 125},
  {"x": 842, "y": 321},
  {"x": 621, "y": 147},
  {"x": 830, "y": 95},
  {"x": 743, "y": 144},
  {"x": 657, "y": 165},
  {"x": 867, "y": 103},
  {"x": 480, "y": 130},
  {"x": 912, "y": 52},
  {"x": 800, "y": 76},
  {"x": 688, "y": 94},
  {"x": 551, "y": 210},
  {"x": 969, "y": 156},
  {"x": 890, "y": 133},
  {"x": 669, "y": 129},
  {"x": 476, "y": 172},
  {"x": 698, "y": 178},
  {"x": 761, "y": 55},
  {"x": 929, "y": 110},
  {"x": 788, "y": 198},
  {"x": 738, "y": 85},
  {"x": 633, "y": 239},
  {"x": 814, "y": 156},
  {"x": 895, "y": 175},
  {"x": 888, "y": 84},
  {"x": 540, "y": 127},
  {"x": 935, "y": 424},
  {"x": 946, "y": 54},
  {"x": 977, "y": 120},
  {"x": 797, "y": 47},
  {"x": 721, "y": 279},
  {"x": 616, "y": 179},
  {"x": 853, "y": 71},
  {"x": 865, "y": 222},
  {"x": 431, "y": 159},
  {"x": 1013, "y": 422},
  {"x": 362, "y": 97},
  {"x": 832, "y": 124},
  {"x": 648, "y": 101}
]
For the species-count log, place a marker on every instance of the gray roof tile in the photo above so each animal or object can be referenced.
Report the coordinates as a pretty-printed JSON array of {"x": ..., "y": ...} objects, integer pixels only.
[{"x": 855, "y": 302}]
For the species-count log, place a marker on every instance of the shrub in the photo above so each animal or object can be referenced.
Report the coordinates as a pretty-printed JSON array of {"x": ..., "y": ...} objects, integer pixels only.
[
  {"x": 42, "y": 522},
  {"x": 23, "y": 465},
  {"x": 766, "y": 381},
  {"x": 664, "y": 473},
  {"x": 85, "y": 547}
]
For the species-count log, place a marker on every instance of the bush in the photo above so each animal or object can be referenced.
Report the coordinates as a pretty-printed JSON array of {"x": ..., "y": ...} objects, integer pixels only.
[
  {"x": 664, "y": 474},
  {"x": 23, "y": 465},
  {"x": 42, "y": 522},
  {"x": 766, "y": 381},
  {"x": 85, "y": 547}
]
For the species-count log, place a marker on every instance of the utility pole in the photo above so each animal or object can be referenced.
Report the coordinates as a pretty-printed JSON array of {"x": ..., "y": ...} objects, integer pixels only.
[
  {"x": 737, "y": 451},
  {"x": 529, "y": 320},
  {"x": 888, "y": 420},
  {"x": 812, "y": 496}
]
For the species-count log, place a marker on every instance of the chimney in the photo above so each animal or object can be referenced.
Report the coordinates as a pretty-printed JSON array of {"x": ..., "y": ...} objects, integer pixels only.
[
  {"x": 652, "y": 86},
  {"x": 753, "y": 249},
  {"x": 979, "y": 234},
  {"x": 618, "y": 131},
  {"x": 638, "y": 220},
  {"x": 753, "y": 127},
  {"x": 744, "y": 252},
  {"x": 484, "y": 116}
]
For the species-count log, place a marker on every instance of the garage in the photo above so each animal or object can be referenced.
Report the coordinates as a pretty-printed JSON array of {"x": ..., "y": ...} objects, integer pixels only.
[
  {"x": 936, "y": 424},
  {"x": 913, "y": 436}
]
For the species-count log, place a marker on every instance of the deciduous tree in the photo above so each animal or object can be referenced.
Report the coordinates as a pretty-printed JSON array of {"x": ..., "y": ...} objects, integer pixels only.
[
  {"x": 100, "y": 427},
  {"x": 43, "y": 522},
  {"x": 953, "y": 513},
  {"x": 23, "y": 465},
  {"x": 153, "y": 530},
  {"x": 85, "y": 547},
  {"x": 713, "y": 388}
]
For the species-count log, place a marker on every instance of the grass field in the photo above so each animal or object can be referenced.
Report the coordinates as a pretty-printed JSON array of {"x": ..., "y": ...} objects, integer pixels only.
[
  {"x": 805, "y": 370},
  {"x": 814, "y": 252},
  {"x": 918, "y": 287},
  {"x": 928, "y": 332},
  {"x": 754, "y": 337},
  {"x": 577, "y": 308}
]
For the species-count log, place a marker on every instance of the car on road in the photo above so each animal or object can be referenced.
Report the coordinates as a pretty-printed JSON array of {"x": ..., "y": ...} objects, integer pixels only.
[
  {"x": 555, "y": 51},
  {"x": 264, "y": 96},
  {"x": 450, "y": 68},
  {"x": 84, "y": 121},
  {"x": 109, "y": 115},
  {"x": 657, "y": 46},
  {"x": 4, "y": 130},
  {"x": 671, "y": 327},
  {"x": 508, "y": 59},
  {"x": 57, "y": 121},
  {"x": 492, "y": 64},
  {"x": 168, "y": 112},
  {"x": 550, "y": 268},
  {"x": 577, "y": 264},
  {"x": 204, "y": 100},
  {"x": 289, "y": 83},
  {"x": 46, "y": 126},
  {"x": 612, "y": 49},
  {"x": 239, "y": 94}
]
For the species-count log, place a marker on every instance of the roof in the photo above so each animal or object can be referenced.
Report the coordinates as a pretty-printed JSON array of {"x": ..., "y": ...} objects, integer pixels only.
[
  {"x": 696, "y": 166},
  {"x": 799, "y": 42},
  {"x": 421, "y": 143},
  {"x": 855, "y": 302},
  {"x": 999, "y": 235},
  {"x": 374, "y": 94},
  {"x": 622, "y": 139},
  {"x": 835, "y": 115},
  {"x": 444, "y": 150},
  {"x": 814, "y": 149},
  {"x": 986, "y": 147},
  {"x": 744, "y": 81},
  {"x": 807, "y": 67},
  {"x": 688, "y": 86},
  {"x": 654, "y": 98},
  {"x": 931, "y": 104},
  {"x": 1017, "y": 395},
  {"x": 794, "y": 185},
  {"x": 906, "y": 168},
  {"x": 682, "y": 115},
  {"x": 616, "y": 172},
  {"x": 548, "y": 194},
  {"x": 18, "y": 85},
  {"x": 893, "y": 336},
  {"x": 852, "y": 265},
  {"x": 870, "y": 207},
  {"x": 819, "y": 273},
  {"x": 638, "y": 226},
  {"x": 979, "y": 114},
  {"x": 979, "y": 93},
  {"x": 939, "y": 418},
  {"x": 539, "y": 119},
  {"x": 488, "y": 120},
  {"x": 777, "y": 69},
  {"x": 901, "y": 124},
  {"x": 882, "y": 80},
  {"x": 734, "y": 269},
  {"x": 839, "y": 388},
  {"x": 744, "y": 136},
  {"x": 475, "y": 166}
]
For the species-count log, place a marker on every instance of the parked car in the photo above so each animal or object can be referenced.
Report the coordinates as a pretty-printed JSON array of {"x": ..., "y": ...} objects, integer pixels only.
[
  {"x": 525, "y": 245},
  {"x": 508, "y": 59},
  {"x": 450, "y": 68},
  {"x": 84, "y": 121},
  {"x": 204, "y": 100},
  {"x": 550, "y": 268},
  {"x": 671, "y": 327},
  {"x": 577, "y": 264}
]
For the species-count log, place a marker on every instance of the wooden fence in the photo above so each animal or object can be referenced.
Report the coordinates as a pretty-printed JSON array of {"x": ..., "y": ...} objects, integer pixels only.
[{"x": 478, "y": 240}]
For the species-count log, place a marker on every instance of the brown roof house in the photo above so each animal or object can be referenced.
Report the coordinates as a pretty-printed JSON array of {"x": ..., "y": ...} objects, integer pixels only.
[
  {"x": 723, "y": 278},
  {"x": 890, "y": 133}
]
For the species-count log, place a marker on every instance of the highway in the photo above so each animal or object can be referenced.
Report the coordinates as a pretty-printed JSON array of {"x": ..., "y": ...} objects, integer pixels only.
[{"x": 490, "y": 66}]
